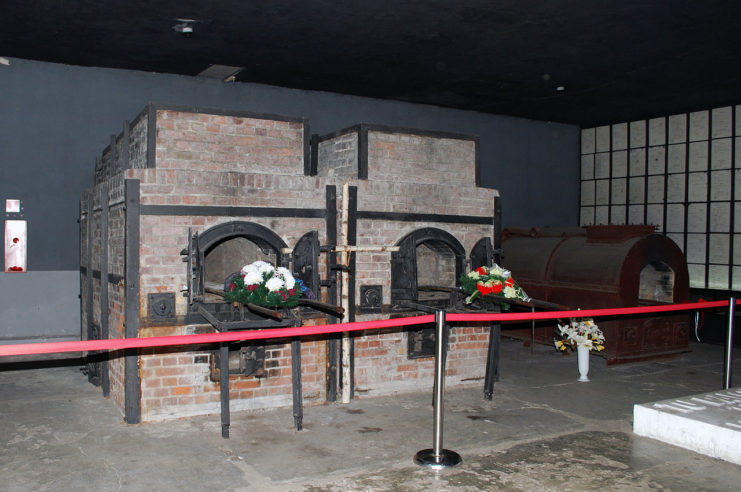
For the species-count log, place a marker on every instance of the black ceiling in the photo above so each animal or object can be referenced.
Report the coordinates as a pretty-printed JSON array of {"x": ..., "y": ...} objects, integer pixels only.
[{"x": 617, "y": 60}]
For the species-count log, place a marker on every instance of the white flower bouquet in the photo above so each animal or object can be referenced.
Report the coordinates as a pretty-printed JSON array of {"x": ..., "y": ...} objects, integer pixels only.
[
  {"x": 582, "y": 333},
  {"x": 262, "y": 284}
]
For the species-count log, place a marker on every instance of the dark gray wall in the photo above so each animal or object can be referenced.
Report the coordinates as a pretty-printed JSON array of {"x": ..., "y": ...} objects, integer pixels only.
[
  {"x": 39, "y": 306},
  {"x": 55, "y": 119}
]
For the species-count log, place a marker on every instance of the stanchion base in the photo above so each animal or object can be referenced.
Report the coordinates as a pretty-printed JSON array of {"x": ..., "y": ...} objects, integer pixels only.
[{"x": 447, "y": 458}]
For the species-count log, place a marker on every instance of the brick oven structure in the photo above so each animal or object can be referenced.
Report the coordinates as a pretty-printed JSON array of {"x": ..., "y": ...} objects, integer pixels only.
[{"x": 184, "y": 196}]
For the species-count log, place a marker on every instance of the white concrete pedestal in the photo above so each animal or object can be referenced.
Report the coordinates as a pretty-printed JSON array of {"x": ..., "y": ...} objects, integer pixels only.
[{"x": 709, "y": 423}]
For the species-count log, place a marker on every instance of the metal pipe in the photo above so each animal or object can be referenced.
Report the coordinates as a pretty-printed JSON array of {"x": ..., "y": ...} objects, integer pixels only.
[
  {"x": 349, "y": 248},
  {"x": 437, "y": 457},
  {"x": 337, "y": 311},
  {"x": 264, "y": 311},
  {"x": 728, "y": 366},
  {"x": 437, "y": 420}
]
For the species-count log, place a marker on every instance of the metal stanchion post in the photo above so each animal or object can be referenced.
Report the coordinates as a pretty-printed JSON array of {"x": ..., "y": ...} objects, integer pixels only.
[
  {"x": 728, "y": 365},
  {"x": 437, "y": 457}
]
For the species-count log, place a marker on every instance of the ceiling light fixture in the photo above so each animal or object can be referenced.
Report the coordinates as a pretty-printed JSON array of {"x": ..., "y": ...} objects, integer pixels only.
[{"x": 185, "y": 26}]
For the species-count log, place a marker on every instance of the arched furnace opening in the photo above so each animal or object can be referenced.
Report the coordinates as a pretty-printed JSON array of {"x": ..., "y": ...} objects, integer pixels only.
[
  {"x": 229, "y": 256},
  {"x": 656, "y": 283},
  {"x": 428, "y": 262},
  {"x": 226, "y": 248}
]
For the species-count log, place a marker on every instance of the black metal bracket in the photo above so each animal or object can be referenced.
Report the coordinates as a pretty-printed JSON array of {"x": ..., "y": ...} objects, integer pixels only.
[
  {"x": 251, "y": 361},
  {"x": 371, "y": 298},
  {"x": 419, "y": 307},
  {"x": 161, "y": 305}
]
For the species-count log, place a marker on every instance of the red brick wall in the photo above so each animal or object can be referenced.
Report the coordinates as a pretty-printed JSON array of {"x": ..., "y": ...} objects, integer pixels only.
[
  {"x": 425, "y": 175},
  {"x": 116, "y": 292},
  {"x": 217, "y": 160},
  {"x": 382, "y": 366},
  {"x": 338, "y": 156},
  {"x": 177, "y": 382},
  {"x": 216, "y": 143},
  {"x": 421, "y": 160}
]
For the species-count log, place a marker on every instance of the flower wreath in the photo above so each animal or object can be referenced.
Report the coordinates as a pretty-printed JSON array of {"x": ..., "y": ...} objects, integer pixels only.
[
  {"x": 491, "y": 283},
  {"x": 262, "y": 284}
]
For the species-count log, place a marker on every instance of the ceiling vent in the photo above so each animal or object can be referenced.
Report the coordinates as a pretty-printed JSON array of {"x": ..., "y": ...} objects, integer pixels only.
[{"x": 221, "y": 72}]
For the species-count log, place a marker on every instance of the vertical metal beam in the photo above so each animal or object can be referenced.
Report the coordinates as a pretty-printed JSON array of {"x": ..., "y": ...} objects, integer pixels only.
[
  {"x": 89, "y": 266},
  {"x": 104, "y": 376},
  {"x": 352, "y": 240},
  {"x": 708, "y": 195},
  {"x": 125, "y": 140},
  {"x": 492, "y": 360},
  {"x": 627, "y": 174},
  {"x": 307, "y": 146},
  {"x": 362, "y": 151},
  {"x": 224, "y": 389},
  {"x": 732, "y": 220},
  {"x": 647, "y": 142},
  {"x": 332, "y": 341},
  {"x": 497, "y": 231},
  {"x": 477, "y": 161},
  {"x": 82, "y": 211},
  {"x": 298, "y": 406},
  {"x": 686, "y": 184},
  {"x": 112, "y": 160},
  {"x": 666, "y": 174},
  {"x": 581, "y": 174},
  {"x": 151, "y": 136},
  {"x": 132, "y": 380},
  {"x": 314, "y": 155},
  {"x": 609, "y": 177},
  {"x": 495, "y": 329},
  {"x": 93, "y": 375}
]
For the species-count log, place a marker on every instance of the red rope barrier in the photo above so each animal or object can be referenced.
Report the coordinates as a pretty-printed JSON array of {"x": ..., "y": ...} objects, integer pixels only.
[
  {"x": 233, "y": 336},
  {"x": 230, "y": 336},
  {"x": 583, "y": 313}
]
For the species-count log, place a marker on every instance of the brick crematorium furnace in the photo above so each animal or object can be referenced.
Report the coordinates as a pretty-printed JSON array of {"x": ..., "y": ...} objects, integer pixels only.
[{"x": 183, "y": 197}]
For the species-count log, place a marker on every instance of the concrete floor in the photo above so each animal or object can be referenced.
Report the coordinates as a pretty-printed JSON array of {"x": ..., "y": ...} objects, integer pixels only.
[{"x": 542, "y": 431}]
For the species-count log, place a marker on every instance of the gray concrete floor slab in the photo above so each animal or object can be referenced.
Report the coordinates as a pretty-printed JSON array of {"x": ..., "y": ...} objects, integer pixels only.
[{"x": 542, "y": 431}]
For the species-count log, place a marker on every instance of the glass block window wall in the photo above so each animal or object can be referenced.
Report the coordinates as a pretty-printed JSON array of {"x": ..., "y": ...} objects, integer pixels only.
[{"x": 679, "y": 173}]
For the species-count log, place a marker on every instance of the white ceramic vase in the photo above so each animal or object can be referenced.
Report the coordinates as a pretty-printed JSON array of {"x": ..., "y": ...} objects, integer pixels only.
[{"x": 583, "y": 356}]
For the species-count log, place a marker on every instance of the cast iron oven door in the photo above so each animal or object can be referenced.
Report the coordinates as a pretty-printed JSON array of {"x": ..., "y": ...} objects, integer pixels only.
[
  {"x": 224, "y": 249},
  {"x": 306, "y": 263},
  {"x": 482, "y": 254},
  {"x": 219, "y": 252},
  {"x": 428, "y": 259}
]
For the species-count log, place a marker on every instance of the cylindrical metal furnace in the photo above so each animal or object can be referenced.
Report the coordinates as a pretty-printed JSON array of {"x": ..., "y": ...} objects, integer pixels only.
[{"x": 601, "y": 267}]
